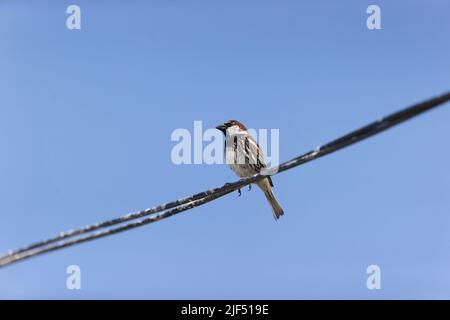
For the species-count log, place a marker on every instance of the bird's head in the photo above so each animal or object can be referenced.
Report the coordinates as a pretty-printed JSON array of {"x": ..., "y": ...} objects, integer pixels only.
[{"x": 231, "y": 125}]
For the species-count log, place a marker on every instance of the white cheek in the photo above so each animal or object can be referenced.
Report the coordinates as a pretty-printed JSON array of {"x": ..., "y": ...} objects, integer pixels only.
[{"x": 232, "y": 130}]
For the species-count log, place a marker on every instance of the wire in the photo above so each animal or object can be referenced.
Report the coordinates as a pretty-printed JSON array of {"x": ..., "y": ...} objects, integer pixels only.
[
  {"x": 174, "y": 207},
  {"x": 10, "y": 258},
  {"x": 115, "y": 221}
]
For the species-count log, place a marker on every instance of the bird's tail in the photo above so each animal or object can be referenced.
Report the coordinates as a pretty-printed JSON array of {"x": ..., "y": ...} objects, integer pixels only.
[{"x": 276, "y": 208}]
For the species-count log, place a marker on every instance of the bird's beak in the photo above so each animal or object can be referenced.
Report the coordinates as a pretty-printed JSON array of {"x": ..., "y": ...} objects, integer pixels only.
[{"x": 221, "y": 127}]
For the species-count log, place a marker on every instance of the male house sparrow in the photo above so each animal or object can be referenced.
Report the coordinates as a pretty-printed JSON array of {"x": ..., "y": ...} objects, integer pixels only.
[{"x": 245, "y": 158}]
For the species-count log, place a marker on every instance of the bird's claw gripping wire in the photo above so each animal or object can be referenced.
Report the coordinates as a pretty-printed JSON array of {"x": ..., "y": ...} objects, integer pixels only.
[
  {"x": 238, "y": 190},
  {"x": 249, "y": 189}
]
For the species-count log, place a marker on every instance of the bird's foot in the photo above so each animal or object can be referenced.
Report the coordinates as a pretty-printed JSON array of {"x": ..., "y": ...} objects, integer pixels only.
[
  {"x": 239, "y": 190},
  {"x": 250, "y": 187}
]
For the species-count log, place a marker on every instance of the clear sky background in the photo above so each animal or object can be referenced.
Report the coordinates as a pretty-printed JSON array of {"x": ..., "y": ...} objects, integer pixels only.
[{"x": 85, "y": 124}]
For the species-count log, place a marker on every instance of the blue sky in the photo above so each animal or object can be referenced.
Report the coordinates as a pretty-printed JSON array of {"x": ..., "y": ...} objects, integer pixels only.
[{"x": 86, "y": 118}]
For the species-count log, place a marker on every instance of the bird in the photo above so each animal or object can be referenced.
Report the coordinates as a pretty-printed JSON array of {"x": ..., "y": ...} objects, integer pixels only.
[{"x": 245, "y": 158}]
